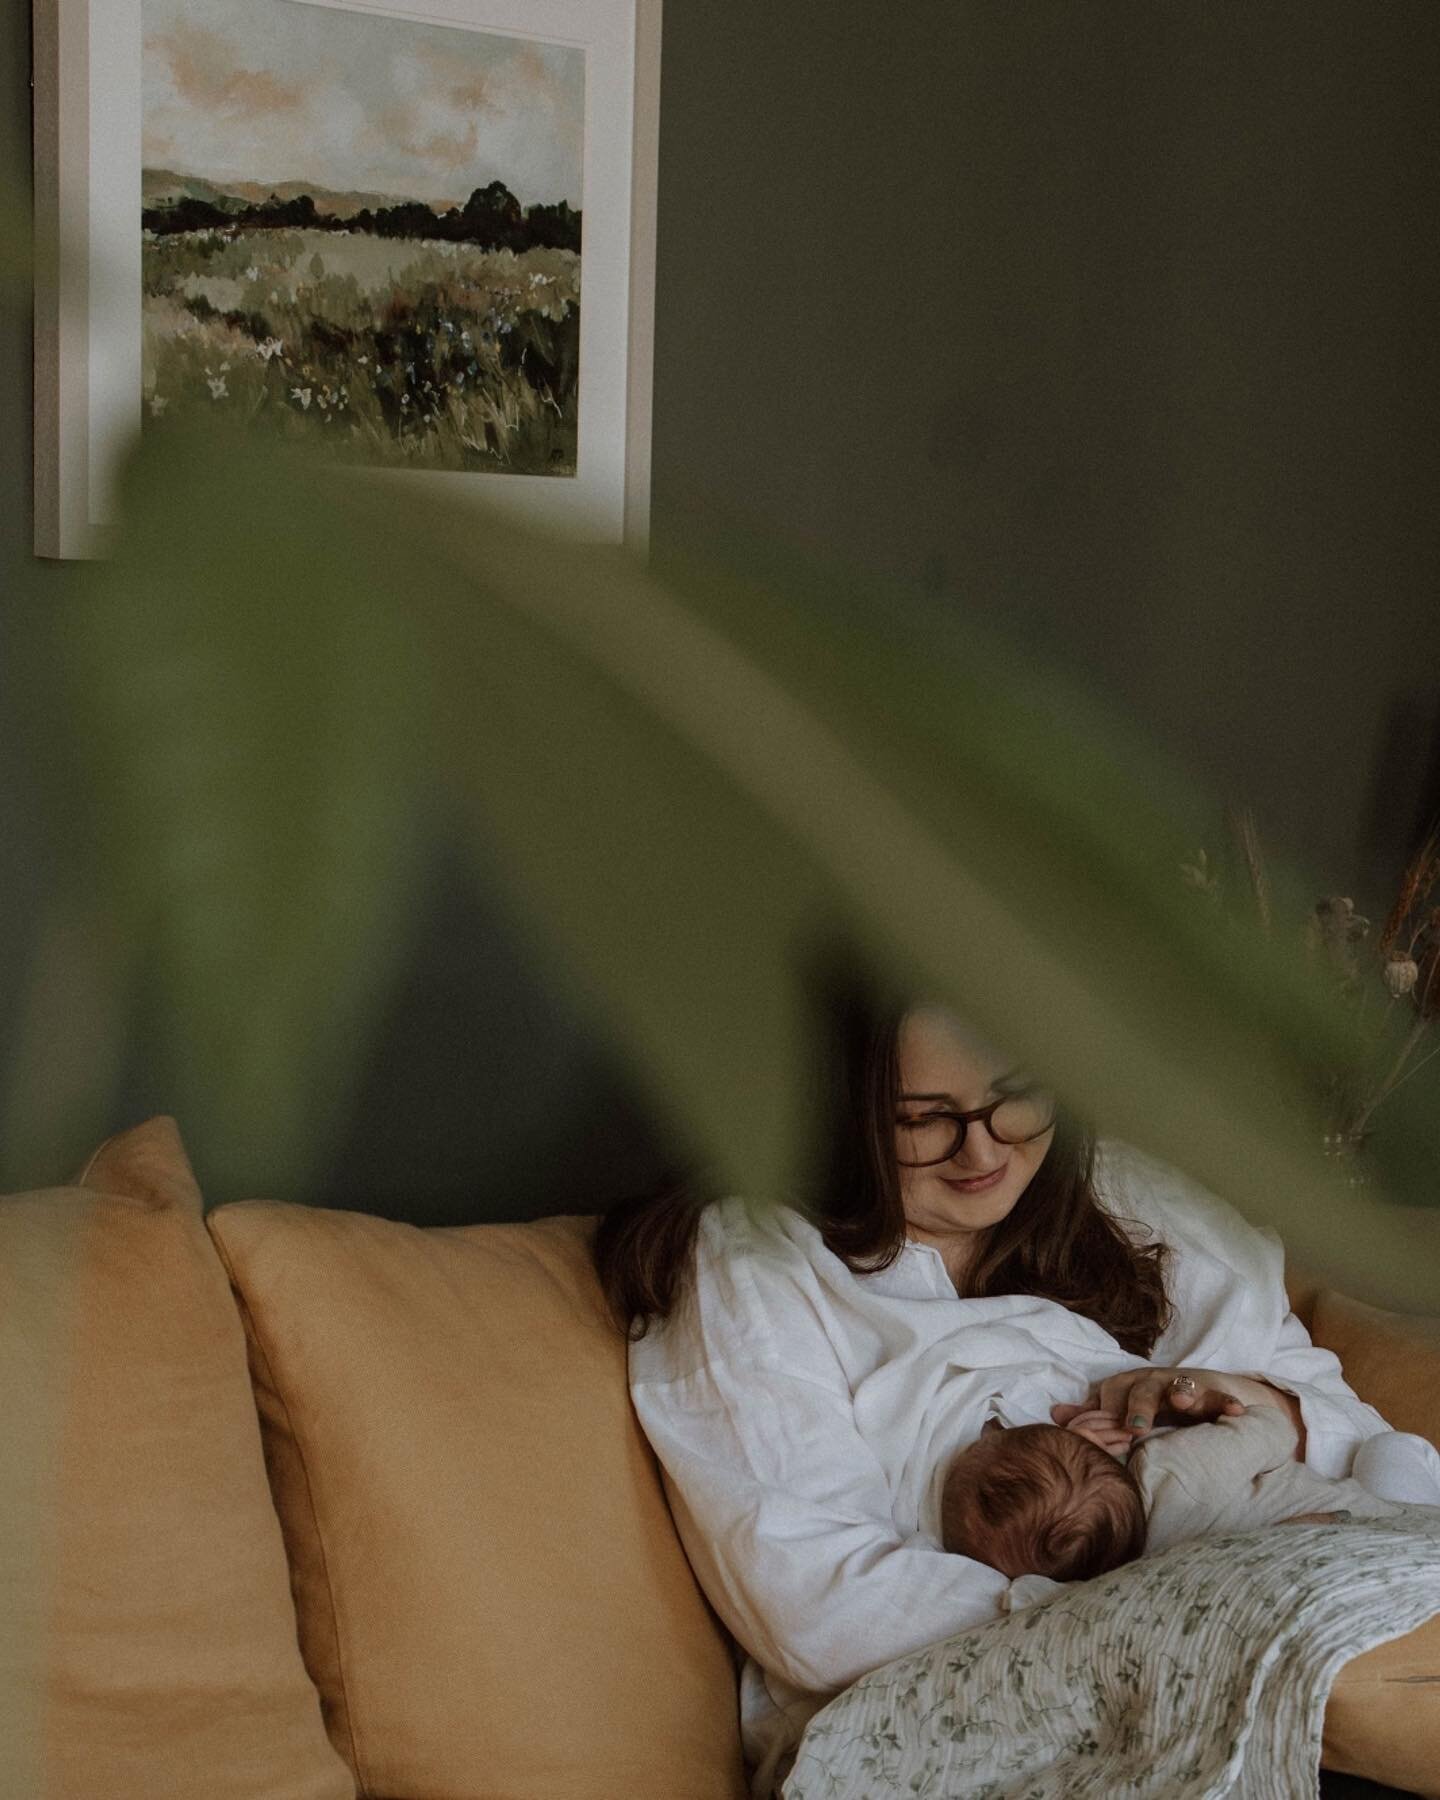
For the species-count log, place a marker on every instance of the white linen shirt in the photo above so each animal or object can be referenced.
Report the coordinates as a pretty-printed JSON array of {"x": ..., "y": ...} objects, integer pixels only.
[{"x": 803, "y": 1415}]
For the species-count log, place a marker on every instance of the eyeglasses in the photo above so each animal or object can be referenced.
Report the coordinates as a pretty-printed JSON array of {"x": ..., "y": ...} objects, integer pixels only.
[{"x": 934, "y": 1137}]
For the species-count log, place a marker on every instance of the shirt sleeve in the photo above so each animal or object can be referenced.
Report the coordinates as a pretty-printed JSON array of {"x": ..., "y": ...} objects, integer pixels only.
[
  {"x": 1337, "y": 1420},
  {"x": 785, "y": 1515}
]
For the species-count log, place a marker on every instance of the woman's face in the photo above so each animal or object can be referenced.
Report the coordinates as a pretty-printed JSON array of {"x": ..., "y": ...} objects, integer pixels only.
[{"x": 942, "y": 1069}]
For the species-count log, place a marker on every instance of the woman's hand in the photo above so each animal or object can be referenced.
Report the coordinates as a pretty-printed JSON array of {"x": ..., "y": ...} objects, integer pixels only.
[{"x": 1138, "y": 1397}]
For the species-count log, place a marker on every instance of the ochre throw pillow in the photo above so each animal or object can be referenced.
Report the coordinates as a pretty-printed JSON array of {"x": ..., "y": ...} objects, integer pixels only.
[
  {"x": 492, "y": 1598},
  {"x": 158, "y": 1658},
  {"x": 1390, "y": 1359},
  {"x": 1383, "y": 1717}
]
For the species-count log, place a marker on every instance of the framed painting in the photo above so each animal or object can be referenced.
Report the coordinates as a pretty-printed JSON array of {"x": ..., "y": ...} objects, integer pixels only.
[{"x": 357, "y": 226}]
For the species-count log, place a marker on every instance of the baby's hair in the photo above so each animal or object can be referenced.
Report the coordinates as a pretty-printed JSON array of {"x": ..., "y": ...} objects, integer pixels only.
[{"x": 1039, "y": 1500}]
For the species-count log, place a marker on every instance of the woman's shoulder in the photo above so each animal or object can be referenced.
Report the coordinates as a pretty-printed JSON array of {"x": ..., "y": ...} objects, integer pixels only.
[
  {"x": 1156, "y": 1202},
  {"x": 756, "y": 1291},
  {"x": 758, "y": 1234}
]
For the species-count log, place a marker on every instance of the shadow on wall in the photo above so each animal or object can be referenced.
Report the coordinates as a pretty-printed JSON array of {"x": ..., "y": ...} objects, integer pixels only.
[
  {"x": 1404, "y": 798},
  {"x": 485, "y": 1097}
]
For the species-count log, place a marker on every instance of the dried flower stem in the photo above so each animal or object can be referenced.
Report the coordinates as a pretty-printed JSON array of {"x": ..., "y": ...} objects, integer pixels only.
[
  {"x": 1416, "y": 1070},
  {"x": 1393, "y": 1078},
  {"x": 1242, "y": 825}
]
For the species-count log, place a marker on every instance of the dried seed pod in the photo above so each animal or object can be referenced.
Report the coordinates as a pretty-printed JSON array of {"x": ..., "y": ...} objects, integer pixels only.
[{"x": 1401, "y": 974}]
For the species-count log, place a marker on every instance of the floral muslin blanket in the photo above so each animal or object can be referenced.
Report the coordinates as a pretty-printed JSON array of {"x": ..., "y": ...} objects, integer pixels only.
[{"x": 1200, "y": 1672}]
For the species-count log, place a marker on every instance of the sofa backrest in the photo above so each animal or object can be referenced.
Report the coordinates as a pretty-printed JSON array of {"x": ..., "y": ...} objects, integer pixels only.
[
  {"x": 487, "y": 1587},
  {"x": 491, "y": 1596}
]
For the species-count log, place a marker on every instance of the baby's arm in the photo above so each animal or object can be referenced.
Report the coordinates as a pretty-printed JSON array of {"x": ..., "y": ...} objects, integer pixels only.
[
  {"x": 1197, "y": 1480},
  {"x": 1244, "y": 1446}
]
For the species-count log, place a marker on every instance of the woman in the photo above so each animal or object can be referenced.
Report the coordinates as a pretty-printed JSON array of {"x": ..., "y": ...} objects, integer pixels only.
[{"x": 802, "y": 1379}]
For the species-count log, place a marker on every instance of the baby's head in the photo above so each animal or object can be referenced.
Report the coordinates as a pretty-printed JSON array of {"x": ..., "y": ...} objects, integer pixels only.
[{"x": 1037, "y": 1500}]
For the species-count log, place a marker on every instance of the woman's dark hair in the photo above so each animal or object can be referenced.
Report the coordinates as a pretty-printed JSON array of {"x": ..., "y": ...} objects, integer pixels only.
[{"x": 1058, "y": 1242}]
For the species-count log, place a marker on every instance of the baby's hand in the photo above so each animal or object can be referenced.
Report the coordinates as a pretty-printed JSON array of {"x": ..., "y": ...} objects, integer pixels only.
[{"x": 1104, "y": 1430}]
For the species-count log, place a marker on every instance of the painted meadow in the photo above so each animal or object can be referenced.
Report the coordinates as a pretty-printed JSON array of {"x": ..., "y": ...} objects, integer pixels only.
[{"x": 392, "y": 334}]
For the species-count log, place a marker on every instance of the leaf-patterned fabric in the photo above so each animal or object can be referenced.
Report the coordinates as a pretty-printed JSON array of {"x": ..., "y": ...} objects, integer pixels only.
[{"x": 1200, "y": 1672}]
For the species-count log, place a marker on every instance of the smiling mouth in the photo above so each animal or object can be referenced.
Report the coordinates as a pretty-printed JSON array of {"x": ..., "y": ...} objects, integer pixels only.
[{"x": 977, "y": 1184}]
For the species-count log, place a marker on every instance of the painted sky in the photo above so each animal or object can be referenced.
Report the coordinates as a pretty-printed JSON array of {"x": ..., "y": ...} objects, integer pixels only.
[{"x": 275, "y": 90}]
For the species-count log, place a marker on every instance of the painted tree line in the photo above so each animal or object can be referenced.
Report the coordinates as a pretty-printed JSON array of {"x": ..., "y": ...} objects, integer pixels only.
[{"x": 492, "y": 219}]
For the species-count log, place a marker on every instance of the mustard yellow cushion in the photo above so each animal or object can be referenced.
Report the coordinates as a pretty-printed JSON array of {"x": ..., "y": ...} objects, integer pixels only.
[
  {"x": 1383, "y": 1716},
  {"x": 1390, "y": 1359},
  {"x": 492, "y": 1599},
  {"x": 159, "y": 1659}
]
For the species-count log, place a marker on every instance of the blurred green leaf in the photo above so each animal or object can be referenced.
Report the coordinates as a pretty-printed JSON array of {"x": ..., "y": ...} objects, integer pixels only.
[
  {"x": 977, "y": 835},
  {"x": 692, "y": 796},
  {"x": 245, "y": 750}
]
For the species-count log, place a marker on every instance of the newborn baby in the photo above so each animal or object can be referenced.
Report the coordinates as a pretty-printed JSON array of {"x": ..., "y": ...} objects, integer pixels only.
[
  {"x": 1049, "y": 1500},
  {"x": 1041, "y": 1500}
]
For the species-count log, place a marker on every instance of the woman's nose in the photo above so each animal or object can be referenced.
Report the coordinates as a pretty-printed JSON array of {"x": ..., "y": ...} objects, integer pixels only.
[{"x": 980, "y": 1153}]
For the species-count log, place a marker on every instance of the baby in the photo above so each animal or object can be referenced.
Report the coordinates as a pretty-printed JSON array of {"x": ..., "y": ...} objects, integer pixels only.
[
  {"x": 1051, "y": 1500},
  {"x": 1042, "y": 1500}
]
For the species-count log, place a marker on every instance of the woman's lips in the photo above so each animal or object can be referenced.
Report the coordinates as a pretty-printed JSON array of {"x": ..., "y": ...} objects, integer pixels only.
[{"x": 976, "y": 1184}]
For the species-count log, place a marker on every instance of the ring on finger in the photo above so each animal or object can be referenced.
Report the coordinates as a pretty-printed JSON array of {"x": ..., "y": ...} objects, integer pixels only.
[{"x": 1184, "y": 1384}]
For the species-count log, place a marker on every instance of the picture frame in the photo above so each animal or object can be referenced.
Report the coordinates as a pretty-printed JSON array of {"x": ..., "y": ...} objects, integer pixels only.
[{"x": 89, "y": 350}]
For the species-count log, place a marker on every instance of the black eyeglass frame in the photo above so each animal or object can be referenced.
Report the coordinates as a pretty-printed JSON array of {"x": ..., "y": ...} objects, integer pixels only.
[{"x": 962, "y": 1121}]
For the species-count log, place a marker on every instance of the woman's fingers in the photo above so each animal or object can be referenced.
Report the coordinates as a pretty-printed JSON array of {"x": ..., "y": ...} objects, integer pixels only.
[
  {"x": 1062, "y": 1413},
  {"x": 1137, "y": 1396},
  {"x": 1203, "y": 1402}
]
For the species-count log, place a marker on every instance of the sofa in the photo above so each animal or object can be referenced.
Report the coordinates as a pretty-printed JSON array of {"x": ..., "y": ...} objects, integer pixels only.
[{"x": 316, "y": 1505}]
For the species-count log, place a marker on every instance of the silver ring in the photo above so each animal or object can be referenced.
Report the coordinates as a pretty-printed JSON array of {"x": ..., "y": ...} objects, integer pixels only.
[{"x": 1185, "y": 1384}]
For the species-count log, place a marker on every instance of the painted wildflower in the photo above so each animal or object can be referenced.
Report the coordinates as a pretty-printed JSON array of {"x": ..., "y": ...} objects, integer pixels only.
[
  {"x": 304, "y": 396},
  {"x": 158, "y": 403},
  {"x": 219, "y": 388},
  {"x": 252, "y": 273},
  {"x": 269, "y": 348}
]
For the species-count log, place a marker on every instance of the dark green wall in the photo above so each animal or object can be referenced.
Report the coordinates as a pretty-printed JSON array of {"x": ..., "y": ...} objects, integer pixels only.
[{"x": 1112, "y": 323}]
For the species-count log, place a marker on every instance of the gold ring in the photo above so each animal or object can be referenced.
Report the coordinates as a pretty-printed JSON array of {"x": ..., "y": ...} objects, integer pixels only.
[{"x": 1185, "y": 1383}]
